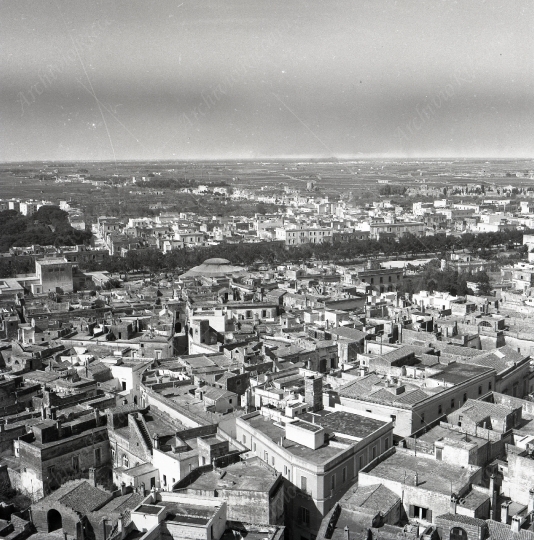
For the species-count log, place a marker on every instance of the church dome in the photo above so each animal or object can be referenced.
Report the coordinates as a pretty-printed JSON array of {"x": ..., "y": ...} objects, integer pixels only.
[{"x": 214, "y": 268}]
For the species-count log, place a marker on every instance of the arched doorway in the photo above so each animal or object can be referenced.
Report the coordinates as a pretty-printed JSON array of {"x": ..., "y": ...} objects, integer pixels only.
[
  {"x": 54, "y": 520},
  {"x": 457, "y": 533}
]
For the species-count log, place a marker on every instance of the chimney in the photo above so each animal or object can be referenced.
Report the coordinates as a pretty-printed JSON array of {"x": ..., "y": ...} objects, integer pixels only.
[
  {"x": 92, "y": 476},
  {"x": 493, "y": 497},
  {"x": 347, "y": 533},
  {"x": 504, "y": 511},
  {"x": 531, "y": 500},
  {"x": 123, "y": 488},
  {"x": 155, "y": 444},
  {"x": 454, "y": 502},
  {"x": 516, "y": 524},
  {"x": 415, "y": 479}
]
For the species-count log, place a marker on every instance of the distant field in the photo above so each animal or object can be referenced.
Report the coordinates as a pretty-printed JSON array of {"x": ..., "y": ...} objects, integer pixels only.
[{"x": 331, "y": 177}]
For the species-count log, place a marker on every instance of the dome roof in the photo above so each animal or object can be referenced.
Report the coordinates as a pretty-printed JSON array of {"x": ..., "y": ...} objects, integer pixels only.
[
  {"x": 216, "y": 261},
  {"x": 214, "y": 268}
]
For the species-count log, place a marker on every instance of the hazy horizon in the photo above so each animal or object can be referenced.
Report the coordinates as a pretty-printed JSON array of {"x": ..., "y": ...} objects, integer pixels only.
[{"x": 252, "y": 80}]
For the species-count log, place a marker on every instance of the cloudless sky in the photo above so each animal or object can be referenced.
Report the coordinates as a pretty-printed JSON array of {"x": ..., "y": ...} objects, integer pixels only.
[{"x": 144, "y": 79}]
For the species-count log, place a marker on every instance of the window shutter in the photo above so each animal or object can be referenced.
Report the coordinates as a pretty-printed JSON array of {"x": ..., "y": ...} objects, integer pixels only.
[{"x": 410, "y": 511}]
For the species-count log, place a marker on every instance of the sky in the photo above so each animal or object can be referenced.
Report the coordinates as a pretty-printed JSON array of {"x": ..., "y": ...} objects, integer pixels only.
[{"x": 234, "y": 79}]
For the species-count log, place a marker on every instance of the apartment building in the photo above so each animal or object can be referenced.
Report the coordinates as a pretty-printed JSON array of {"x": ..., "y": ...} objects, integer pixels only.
[
  {"x": 304, "y": 235},
  {"x": 320, "y": 453}
]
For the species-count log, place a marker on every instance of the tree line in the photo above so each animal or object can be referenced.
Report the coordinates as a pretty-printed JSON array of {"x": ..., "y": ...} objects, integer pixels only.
[{"x": 181, "y": 260}]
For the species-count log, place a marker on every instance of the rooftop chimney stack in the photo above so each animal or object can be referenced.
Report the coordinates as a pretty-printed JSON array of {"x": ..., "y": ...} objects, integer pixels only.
[
  {"x": 92, "y": 476},
  {"x": 531, "y": 500},
  {"x": 313, "y": 392},
  {"x": 493, "y": 497},
  {"x": 347, "y": 533},
  {"x": 415, "y": 479},
  {"x": 504, "y": 511},
  {"x": 454, "y": 502}
]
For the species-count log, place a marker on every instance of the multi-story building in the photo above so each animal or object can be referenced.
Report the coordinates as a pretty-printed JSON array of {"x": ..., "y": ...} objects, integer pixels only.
[
  {"x": 411, "y": 405},
  {"x": 304, "y": 235},
  {"x": 58, "y": 451},
  {"x": 397, "y": 228},
  {"x": 522, "y": 276},
  {"x": 320, "y": 454}
]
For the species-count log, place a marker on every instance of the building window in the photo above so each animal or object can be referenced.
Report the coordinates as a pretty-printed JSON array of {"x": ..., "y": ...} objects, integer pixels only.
[
  {"x": 76, "y": 463},
  {"x": 418, "y": 512},
  {"x": 304, "y": 515},
  {"x": 272, "y": 461},
  {"x": 452, "y": 403},
  {"x": 333, "y": 482},
  {"x": 344, "y": 474},
  {"x": 164, "y": 480},
  {"x": 480, "y": 390},
  {"x": 374, "y": 452},
  {"x": 386, "y": 443},
  {"x": 266, "y": 456},
  {"x": 465, "y": 397},
  {"x": 98, "y": 456},
  {"x": 125, "y": 461},
  {"x": 244, "y": 439},
  {"x": 440, "y": 409},
  {"x": 303, "y": 483},
  {"x": 254, "y": 447}
]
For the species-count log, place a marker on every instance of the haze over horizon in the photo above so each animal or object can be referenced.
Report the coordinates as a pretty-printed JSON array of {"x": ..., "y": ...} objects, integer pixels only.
[{"x": 240, "y": 79}]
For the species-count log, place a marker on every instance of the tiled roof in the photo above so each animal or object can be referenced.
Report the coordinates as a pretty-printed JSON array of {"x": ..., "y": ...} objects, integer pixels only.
[
  {"x": 375, "y": 498},
  {"x": 409, "y": 398},
  {"x": 360, "y": 387},
  {"x": 459, "y": 518},
  {"x": 478, "y": 410},
  {"x": 81, "y": 496},
  {"x": 217, "y": 393},
  {"x": 502, "y": 531}
]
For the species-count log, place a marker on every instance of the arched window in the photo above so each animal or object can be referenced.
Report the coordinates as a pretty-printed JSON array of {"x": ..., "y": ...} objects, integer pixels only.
[{"x": 457, "y": 533}]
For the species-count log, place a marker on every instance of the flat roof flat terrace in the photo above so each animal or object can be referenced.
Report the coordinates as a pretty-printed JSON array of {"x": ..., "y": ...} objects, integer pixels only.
[{"x": 433, "y": 475}]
